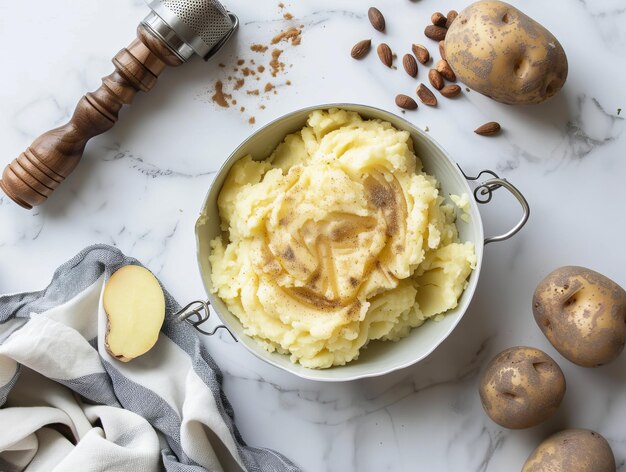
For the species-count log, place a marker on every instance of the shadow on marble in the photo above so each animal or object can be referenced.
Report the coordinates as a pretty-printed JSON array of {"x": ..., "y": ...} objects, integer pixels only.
[{"x": 555, "y": 112}]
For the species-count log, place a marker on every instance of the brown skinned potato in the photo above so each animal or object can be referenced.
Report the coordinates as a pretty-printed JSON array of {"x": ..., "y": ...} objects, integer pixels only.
[
  {"x": 500, "y": 52},
  {"x": 583, "y": 315},
  {"x": 572, "y": 450},
  {"x": 521, "y": 387}
]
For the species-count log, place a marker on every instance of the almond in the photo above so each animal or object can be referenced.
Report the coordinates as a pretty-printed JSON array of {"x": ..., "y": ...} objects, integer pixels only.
[
  {"x": 445, "y": 70},
  {"x": 452, "y": 14},
  {"x": 361, "y": 48},
  {"x": 442, "y": 49},
  {"x": 376, "y": 19},
  {"x": 385, "y": 54},
  {"x": 450, "y": 91},
  {"x": 421, "y": 53},
  {"x": 426, "y": 96},
  {"x": 438, "y": 33},
  {"x": 488, "y": 129},
  {"x": 406, "y": 102},
  {"x": 410, "y": 65},
  {"x": 438, "y": 19},
  {"x": 435, "y": 79}
]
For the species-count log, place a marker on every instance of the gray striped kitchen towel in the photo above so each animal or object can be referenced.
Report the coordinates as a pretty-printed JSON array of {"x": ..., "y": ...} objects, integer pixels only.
[{"x": 67, "y": 405}]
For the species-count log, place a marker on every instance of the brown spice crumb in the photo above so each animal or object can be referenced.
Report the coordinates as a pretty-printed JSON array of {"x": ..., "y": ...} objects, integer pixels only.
[
  {"x": 221, "y": 65},
  {"x": 219, "y": 96},
  {"x": 288, "y": 16},
  {"x": 281, "y": 5},
  {"x": 275, "y": 64},
  {"x": 253, "y": 92},
  {"x": 234, "y": 102},
  {"x": 252, "y": 61},
  {"x": 268, "y": 87},
  {"x": 242, "y": 109},
  {"x": 261, "y": 69},
  {"x": 252, "y": 120},
  {"x": 258, "y": 78},
  {"x": 239, "y": 84},
  {"x": 258, "y": 48},
  {"x": 240, "y": 62},
  {"x": 246, "y": 71},
  {"x": 292, "y": 34},
  {"x": 262, "y": 107},
  {"x": 288, "y": 82}
]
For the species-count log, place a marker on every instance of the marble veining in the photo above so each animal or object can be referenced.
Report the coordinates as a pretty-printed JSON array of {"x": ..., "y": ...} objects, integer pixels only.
[{"x": 141, "y": 185}]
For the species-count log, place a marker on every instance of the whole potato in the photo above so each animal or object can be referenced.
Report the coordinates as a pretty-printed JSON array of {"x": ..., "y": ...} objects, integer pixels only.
[
  {"x": 572, "y": 450},
  {"x": 521, "y": 387},
  {"x": 500, "y": 52},
  {"x": 583, "y": 315}
]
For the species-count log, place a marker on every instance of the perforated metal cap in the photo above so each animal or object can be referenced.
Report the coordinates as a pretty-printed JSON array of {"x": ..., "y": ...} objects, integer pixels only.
[{"x": 202, "y": 25}]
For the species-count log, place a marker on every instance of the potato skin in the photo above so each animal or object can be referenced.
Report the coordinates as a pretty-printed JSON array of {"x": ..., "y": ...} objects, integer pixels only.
[
  {"x": 521, "y": 387},
  {"x": 583, "y": 315},
  {"x": 579, "y": 450},
  {"x": 500, "y": 52}
]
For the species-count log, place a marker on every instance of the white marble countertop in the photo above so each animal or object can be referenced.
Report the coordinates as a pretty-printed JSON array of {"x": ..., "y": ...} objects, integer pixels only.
[{"x": 140, "y": 188}]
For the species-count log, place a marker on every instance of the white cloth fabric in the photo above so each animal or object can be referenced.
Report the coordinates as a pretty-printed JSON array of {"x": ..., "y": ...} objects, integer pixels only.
[{"x": 67, "y": 405}]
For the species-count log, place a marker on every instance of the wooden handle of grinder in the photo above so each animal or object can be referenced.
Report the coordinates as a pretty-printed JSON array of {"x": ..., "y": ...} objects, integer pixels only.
[{"x": 32, "y": 177}]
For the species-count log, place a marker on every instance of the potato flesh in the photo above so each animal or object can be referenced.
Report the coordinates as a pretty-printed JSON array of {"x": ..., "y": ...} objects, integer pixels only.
[
  {"x": 135, "y": 307},
  {"x": 500, "y": 52}
]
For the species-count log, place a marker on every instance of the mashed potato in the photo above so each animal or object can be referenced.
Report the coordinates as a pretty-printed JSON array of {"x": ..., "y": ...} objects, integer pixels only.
[{"x": 337, "y": 239}]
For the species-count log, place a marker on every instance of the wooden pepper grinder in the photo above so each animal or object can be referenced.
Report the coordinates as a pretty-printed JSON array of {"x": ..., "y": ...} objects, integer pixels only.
[{"x": 170, "y": 35}]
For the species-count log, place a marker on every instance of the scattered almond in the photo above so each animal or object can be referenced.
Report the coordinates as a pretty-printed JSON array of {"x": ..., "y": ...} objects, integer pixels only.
[
  {"x": 426, "y": 96},
  {"x": 406, "y": 102},
  {"x": 410, "y": 65},
  {"x": 488, "y": 129},
  {"x": 438, "y": 19},
  {"x": 361, "y": 48},
  {"x": 438, "y": 33},
  {"x": 442, "y": 49},
  {"x": 450, "y": 91},
  {"x": 376, "y": 19},
  {"x": 435, "y": 79},
  {"x": 445, "y": 70},
  {"x": 452, "y": 14},
  {"x": 421, "y": 53},
  {"x": 385, "y": 54}
]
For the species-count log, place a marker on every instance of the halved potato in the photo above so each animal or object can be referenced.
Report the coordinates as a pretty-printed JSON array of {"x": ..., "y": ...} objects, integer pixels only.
[{"x": 135, "y": 307}]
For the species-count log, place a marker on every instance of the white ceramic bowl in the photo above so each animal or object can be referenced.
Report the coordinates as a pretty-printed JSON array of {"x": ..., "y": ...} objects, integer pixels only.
[{"x": 377, "y": 358}]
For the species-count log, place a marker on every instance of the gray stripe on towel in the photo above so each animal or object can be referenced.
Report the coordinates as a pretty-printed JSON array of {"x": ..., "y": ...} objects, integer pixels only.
[
  {"x": 149, "y": 405},
  {"x": 6, "y": 388},
  {"x": 67, "y": 282},
  {"x": 96, "y": 388}
]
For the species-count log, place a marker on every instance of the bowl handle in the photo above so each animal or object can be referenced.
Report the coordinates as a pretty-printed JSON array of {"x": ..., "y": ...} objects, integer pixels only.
[
  {"x": 196, "y": 313},
  {"x": 484, "y": 192}
]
